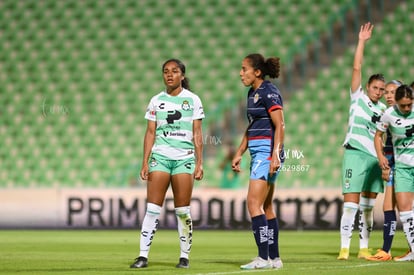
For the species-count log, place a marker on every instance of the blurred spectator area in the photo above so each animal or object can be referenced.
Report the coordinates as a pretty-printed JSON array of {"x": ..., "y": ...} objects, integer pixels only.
[{"x": 76, "y": 77}]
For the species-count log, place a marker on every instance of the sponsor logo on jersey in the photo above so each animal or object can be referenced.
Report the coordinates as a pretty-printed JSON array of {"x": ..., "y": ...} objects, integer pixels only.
[
  {"x": 173, "y": 115},
  {"x": 151, "y": 112},
  {"x": 409, "y": 130},
  {"x": 174, "y": 134}
]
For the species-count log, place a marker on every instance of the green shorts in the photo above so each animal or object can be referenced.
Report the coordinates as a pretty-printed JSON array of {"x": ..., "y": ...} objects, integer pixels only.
[
  {"x": 404, "y": 180},
  {"x": 170, "y": 166},
  {"x": 360, "y": 172}
]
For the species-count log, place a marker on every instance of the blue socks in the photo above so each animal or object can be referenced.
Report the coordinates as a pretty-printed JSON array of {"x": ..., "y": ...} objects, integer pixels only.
[
  {"x": 273, "y": 233},
  {"x": 390, "y": 224},
  {"x": 260, "y": 232}
]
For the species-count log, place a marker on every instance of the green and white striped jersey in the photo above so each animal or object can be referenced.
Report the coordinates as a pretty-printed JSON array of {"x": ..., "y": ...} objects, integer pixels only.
[
  {"x": 401, "y": 128},
  {"x": 174, "y": 117},
  {"x": 362, "y": 125}
]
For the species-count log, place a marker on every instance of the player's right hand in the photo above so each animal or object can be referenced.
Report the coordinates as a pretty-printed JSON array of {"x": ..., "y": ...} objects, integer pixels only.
[{"x": 144, "y": 172}]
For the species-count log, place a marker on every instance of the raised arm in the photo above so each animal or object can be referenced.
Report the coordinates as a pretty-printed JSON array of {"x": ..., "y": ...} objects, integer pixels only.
[{"x": 364, "y": 35}]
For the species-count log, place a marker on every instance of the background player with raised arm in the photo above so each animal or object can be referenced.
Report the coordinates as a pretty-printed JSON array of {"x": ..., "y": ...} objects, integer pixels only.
[
  {"x": 399, "y": 120},
  {"x": 361, "y": 175},
  {"x": 173, "y": 149},
  {"x": 264, "y": 138}
]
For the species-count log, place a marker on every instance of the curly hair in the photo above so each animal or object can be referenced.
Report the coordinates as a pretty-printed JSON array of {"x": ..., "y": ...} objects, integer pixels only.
[{"x": 269, "y": 66}]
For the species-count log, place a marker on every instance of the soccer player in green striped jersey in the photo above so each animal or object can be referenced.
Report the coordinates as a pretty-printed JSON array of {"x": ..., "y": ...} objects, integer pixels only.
[
  {"x": 173, "y": 148},
  {"x": 399, "y": 120},
  {"x": 361, "y": 175},
  {"x": 388, "y": 206}
]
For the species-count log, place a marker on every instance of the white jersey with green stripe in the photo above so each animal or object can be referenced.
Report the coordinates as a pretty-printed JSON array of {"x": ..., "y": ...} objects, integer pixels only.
[
  {"x": 401, "y": 128},
  {"x": 174, "y": 117},
  {"x": 362, "y": 125}
]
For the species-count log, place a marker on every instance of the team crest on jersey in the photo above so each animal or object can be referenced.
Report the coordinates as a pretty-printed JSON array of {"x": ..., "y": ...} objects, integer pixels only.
[
  {"x": 153, "y": 162},
  {"x": 347, "y": 184},
  {"x": 256, "y": 98},
  {"x": 186, "y": 105}
]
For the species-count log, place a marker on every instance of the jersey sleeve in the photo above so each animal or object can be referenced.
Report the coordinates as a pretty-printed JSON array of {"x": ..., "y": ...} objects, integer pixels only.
[
  {"x": 272, "y": 101},
  {"x": 355, "y": 94},
  {"x": 198, "y": 108},
  {"x": 383, "y": 124},
  {"x": 151, "y": 111}
]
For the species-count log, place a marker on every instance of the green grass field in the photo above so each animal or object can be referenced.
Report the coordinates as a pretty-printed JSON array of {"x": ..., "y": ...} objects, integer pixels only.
[{"x": 213, "y": 252}]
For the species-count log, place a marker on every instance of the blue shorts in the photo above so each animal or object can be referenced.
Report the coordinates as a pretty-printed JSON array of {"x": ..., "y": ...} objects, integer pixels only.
[
  {"x": 390, "y": 159},
  {"x": 260, "y": 162},
  {"x": 391, "y": 181}
]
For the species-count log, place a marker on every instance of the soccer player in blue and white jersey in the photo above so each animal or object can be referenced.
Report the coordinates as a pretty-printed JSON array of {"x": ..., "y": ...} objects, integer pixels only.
[
  {"x": 173, "y": 148},
  {"x": 264, "y": 138},
  {"x": 361, "y": 175},
  {"x": 399, "y": 121}
]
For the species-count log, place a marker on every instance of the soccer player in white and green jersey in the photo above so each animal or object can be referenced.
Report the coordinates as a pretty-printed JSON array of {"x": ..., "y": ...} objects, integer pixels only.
[
  {"x": 172, "y": 155},
  {"x": 399, "y": 120},
  {"x": 361, "y": 175}
]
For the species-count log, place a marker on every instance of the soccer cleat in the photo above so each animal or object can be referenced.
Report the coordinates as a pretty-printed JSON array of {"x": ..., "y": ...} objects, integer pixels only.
[
  {"x": 396, "y": 258},
  {"x": 343, "y": 254},
  {"x": 183, "y": 263},
  {"x": 380, "y": 256},
  {"x": 276, "y": 263},
  {"x": 405, "y": 258},
  {"x": 364, "y": 253},
  {"x": 140, "y": 262},
  {"x": 257, "y": 263}
]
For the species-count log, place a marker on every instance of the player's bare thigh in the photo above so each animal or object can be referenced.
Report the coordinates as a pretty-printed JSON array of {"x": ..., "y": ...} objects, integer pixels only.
[
  {"x": 256, "y": 197},
  {"x": 157, "y": 186},
  {"x": 182, "y": 187}
]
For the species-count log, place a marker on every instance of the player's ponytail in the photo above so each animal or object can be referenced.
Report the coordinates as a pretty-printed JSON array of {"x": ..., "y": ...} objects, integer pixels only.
[
  {"x": 273, "y": 67},
  {"x": 270, "y": 66},
  {"x": 185, "y": 83}
]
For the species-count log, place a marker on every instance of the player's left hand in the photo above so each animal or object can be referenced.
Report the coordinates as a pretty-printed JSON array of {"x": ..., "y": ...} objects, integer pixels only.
[
  {"x": 274, "y": 166},
  {"x": 198, "y": 172}
]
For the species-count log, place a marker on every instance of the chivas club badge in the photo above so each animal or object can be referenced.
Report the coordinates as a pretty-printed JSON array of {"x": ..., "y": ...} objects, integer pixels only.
[{"x": 256, "y": 98}]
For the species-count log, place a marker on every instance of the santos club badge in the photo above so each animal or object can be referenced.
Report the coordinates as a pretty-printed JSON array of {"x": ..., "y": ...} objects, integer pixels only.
[{"x": 186, "y": 105}]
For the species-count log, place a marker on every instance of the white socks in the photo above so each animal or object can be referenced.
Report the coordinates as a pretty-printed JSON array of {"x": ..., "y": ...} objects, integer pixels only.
[
  {"x": 407, "y": 220},
  {"x": 185, "y": 230},
  {"x": 150, "y": 226},
  {"x": 148, "y": 229},
  {"x": 366, "y": 220},
  {"x": 347, "y": 223}
]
